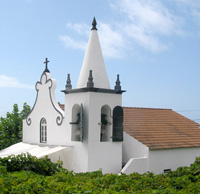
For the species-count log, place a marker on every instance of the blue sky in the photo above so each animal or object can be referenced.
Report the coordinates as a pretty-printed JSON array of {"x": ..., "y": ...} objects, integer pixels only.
[{"x": 154, "y": 45}]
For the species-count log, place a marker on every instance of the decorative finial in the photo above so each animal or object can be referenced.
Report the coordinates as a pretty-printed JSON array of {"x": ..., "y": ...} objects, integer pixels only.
[
  {"x": 46, "y": 66},
  {"x": 90, "y": 82},
  {"x": 68, "y": 86},
  {"x": 94, "y": 24},
  {"x": 117, "y": 86}
]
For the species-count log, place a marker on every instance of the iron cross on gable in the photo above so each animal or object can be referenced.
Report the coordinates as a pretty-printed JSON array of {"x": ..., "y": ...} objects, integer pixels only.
[{"x": 46, "y": 65}]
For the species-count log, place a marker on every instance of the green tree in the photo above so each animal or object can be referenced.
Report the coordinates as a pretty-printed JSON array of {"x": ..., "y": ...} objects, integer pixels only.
[{"x": 11, "y": 126}]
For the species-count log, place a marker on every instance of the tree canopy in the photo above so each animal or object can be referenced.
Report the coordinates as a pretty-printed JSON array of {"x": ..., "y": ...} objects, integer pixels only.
[{"x": 11, "y": 126}]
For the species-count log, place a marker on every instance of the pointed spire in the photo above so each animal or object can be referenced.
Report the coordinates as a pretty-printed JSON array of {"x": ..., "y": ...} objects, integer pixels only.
[
  {"x": 90, "y": 82},
  {"x": 46, "y": 66},
  {"x": 93, "y": 60},
  {"x": 118, "y": 86},
  {"x": 68, "y": 86},
  {"x": 94, "y": 24}
]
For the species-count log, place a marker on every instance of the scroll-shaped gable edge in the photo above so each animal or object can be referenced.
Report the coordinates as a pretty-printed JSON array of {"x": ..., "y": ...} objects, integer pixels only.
[{"x": 46, "y": 79}]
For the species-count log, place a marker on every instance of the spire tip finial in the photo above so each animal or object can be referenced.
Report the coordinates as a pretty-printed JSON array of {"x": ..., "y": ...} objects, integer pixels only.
[{"x": 94, "y": 24}]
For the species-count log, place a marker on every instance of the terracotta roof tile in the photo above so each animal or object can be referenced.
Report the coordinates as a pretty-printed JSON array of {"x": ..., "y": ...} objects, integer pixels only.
[
  {"x": 161, "y": 128},
  {"x": 62, "y": 106}
]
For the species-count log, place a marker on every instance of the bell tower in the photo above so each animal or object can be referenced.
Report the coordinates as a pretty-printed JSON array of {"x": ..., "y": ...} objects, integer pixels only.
[{"x": 94, "y": 115}]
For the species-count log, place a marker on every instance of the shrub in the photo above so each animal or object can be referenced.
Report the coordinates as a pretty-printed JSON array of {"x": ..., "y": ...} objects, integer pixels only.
[{"x": 27, "y": 162}]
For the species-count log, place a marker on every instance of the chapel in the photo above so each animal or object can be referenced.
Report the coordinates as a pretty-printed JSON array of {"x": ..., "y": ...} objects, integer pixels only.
[{"x": 92, "y": 130}]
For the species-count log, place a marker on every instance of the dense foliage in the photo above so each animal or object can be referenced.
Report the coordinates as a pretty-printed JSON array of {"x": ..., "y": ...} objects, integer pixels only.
[
  {"x": 11, "y": 126},
  {"x": 184, "y": 180},
  {"x": 27, "y": 162}
]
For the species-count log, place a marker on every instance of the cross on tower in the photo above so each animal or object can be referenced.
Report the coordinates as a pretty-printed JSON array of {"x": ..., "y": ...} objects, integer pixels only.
[{"x": 46, "y": 66}]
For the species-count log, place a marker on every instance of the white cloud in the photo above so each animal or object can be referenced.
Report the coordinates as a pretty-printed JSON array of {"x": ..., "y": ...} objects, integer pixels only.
[
  {"x": 196, "y": 15},
  {"x": 82, "y": 29},
  {"x": 191, "y": 8},
  {"x": 144, "y": 39},
  {"x": 150, "y": 15},
  {"x": 112, "y": 42},
  {"x": 10, "y": 82},
  {"x": 147, "y": 21},
  {"x": 190, "y": 3},
  {"x": 72, "y": 43}
]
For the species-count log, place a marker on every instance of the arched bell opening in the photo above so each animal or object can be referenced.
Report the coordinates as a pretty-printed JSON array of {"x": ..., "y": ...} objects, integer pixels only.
[
  {"x": 118, "y": 123},
  {"x": 105, "y": 131},
  {"x": 77, "y": 123}
]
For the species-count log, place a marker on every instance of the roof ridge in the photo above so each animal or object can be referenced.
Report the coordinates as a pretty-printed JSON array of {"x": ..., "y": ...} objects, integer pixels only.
[
  {"x": 187, "y": 118},
  {"x": 147, "y": 108}
]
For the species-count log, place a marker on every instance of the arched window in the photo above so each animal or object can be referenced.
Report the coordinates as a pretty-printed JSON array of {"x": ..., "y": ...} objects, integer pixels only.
[
  {"x": 105, "y": 133},
  {"x": 43, "y": 130}
]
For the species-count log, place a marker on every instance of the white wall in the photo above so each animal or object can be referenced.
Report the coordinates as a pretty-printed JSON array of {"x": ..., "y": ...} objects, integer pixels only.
[
  {"x": 139, "y": 165},
  {"x": 96, "y": 102},
  {"x": 74, "y": 158},
  {"x": 134, "y": 155},
  {"x": 132, "y": 148},
  {"x": 99, "y": 155},
  {"x": 106, "y": 156},
  {"x": 159, "y": 160}
]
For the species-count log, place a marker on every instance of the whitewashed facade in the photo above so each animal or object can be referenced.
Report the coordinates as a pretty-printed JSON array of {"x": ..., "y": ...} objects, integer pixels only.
[{"x": 89, "y": 144}]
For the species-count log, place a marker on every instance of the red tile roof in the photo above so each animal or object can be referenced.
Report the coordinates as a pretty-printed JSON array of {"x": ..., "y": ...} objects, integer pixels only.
[{"x": 161, "y": 128}]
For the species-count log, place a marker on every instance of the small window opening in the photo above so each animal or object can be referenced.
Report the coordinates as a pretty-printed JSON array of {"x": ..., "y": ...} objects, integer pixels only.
[
  {"x": 43, "y": 130},
  {"x": 167, "y": 171}
]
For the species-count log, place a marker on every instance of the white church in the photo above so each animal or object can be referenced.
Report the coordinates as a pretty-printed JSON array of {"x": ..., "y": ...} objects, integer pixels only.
[{"x": 92, "y": 131}]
